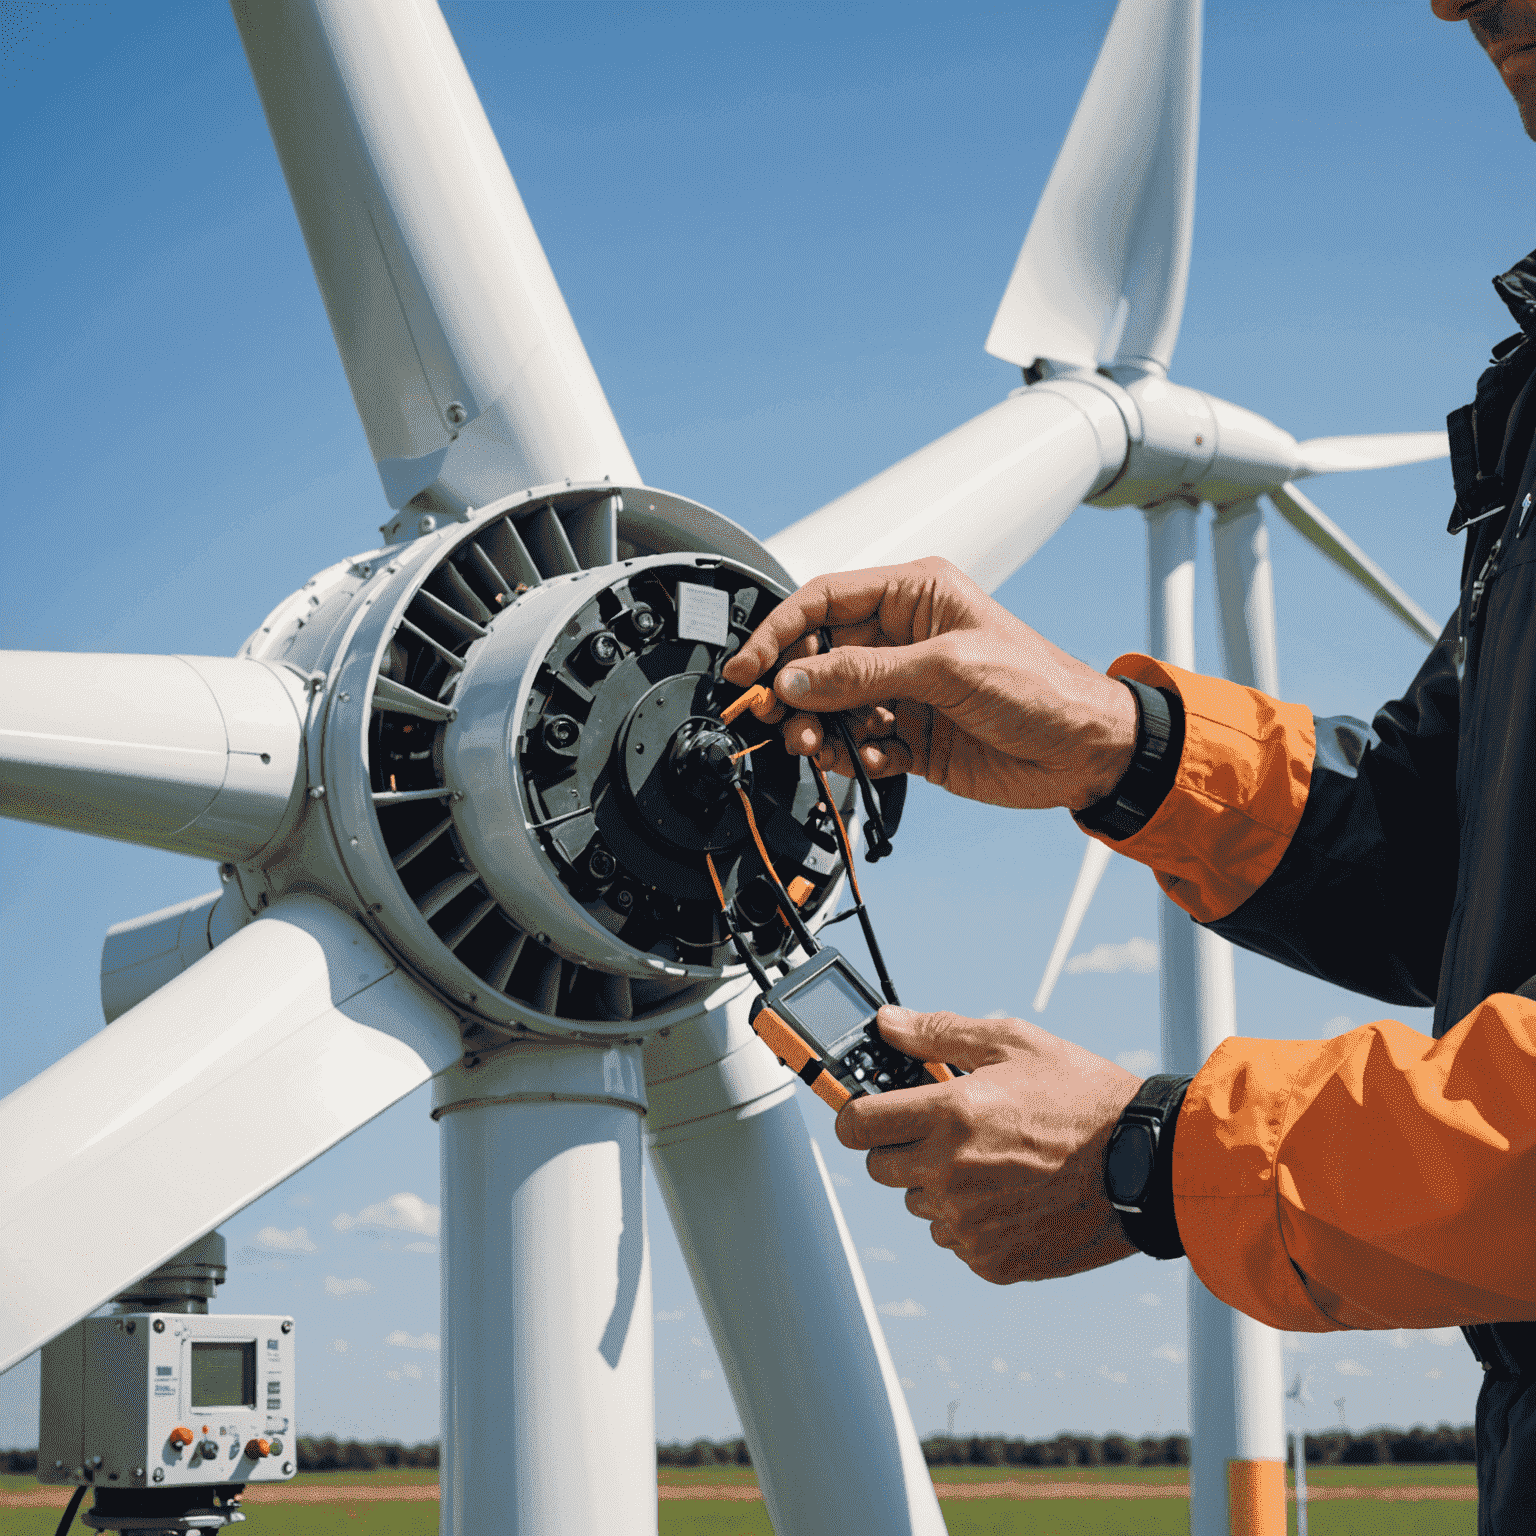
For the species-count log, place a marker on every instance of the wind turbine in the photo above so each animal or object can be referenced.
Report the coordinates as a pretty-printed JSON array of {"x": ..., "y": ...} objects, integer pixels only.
[
  {"x": 1300, "y": 1394},
  {"x": 324, "y": 981}
]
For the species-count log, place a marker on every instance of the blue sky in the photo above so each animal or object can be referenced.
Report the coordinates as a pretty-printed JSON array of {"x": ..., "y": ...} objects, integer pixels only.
[{"x": 782, "y": 231}]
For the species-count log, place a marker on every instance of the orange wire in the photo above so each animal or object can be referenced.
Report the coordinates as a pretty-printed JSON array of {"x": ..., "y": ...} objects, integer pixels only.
[
  {"x": 757, "y": 837},
  {"x": 719, "y": 889},
  {"x": 752, "y": 696},
  {"x": 826, "y": 790},
  {"x": 747, "y": 751}
]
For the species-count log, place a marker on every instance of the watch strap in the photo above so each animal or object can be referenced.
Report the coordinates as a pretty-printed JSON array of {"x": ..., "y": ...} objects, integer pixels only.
[
  {"x": 1154, "y": 765},
  {"x": 1154, "y": 1228}
]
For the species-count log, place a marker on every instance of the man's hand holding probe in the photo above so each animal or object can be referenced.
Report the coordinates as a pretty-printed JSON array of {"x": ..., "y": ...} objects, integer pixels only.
[{"x": 937, "y": 679}]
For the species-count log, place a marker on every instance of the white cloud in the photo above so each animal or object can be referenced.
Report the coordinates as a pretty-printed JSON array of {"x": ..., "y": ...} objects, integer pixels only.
[
  {"x": 1025, "y": 1376},
  {"x": 412, "y": 1371},
  {"x": 1339, "y": 1024},
  {"x": 1443, "y": 1338},
  {"x": 421, "y": 1247},
  {"x": 1169, "y": 1352},
  {"x": 908, "y": 1383},
  {"x": 404, "y": 1212},
  {"x": 392, "y": 1375},
  {"x": 299, "y": 1202},
  {"x": 1140, "y": 1062},
  {"x": 907, "y": 1308},
  {"x": 942, "y": 1364},
  {"x": 1139, "y": 955},
  {"x": 336, "y": 1286},
  {"x": 997, "y": 1013},
  {"x": 1351, "y": 1368},
  {"x": 276, "y": 1240},
  {"x": 954, "y": 1386},
  {"x": 670, "y": 1317},
  {"x": 1150, "y": 1299},
  {"x": 1061, "y": 1375},
  {"x": 1434, "y": 1373},
  {"x": 697, "y": 1343},
  {"x": 840, "y": 1180},
  {"x": 1399, "y": 1339},
  {"x": 1296, "y": 1343},
  {"x": 400, "y": 1339},
  {"x": 706, "y": 1375},
  {"x": 1118, "y": 1377},
  {"x": 1000, "y": 1366},
  {"x": 339, "y": 1346},
  {"x": 880, "y": 1255}
]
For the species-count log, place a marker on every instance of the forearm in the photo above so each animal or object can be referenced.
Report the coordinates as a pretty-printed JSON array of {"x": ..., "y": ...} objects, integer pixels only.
[{"x": 1378, "y": 1180}]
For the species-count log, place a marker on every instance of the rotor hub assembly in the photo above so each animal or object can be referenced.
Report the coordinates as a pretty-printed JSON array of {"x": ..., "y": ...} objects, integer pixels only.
[{"x": 525, "y": 765}]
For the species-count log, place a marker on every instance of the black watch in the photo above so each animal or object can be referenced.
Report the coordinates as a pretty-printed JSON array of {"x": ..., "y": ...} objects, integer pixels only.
[
  {"x": 1154, "y": 765},
  {"x": 1138, "y": 1166}
]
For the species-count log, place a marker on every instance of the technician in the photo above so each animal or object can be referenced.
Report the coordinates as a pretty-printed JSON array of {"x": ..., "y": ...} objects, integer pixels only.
[{"x": 1377, "y": 1180}]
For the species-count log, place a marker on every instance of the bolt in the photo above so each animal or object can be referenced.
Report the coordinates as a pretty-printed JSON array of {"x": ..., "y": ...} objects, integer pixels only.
[
  {"x": 287, "y": 1325},
  {"x": 159, "y": 1325},
  {"x": 159, "y": 1474},
  {"x": 287, "y": 1466},
  {"x": 601, "y": 864},
  {"x": 646, "y": 621},
  {"x": 456, "y": 415},
  {"x": 605, "y": 649},
  {"x": 561, "y": 731},
  {"x": 318, "y": 792},
  {"x": 624, "y": 900},
  {"x": 138, "y": 1474},
  {"x": 130, "y": 1325},
  {"x": 95, "y": 1461},
  {"x": 426, "y": 524}
]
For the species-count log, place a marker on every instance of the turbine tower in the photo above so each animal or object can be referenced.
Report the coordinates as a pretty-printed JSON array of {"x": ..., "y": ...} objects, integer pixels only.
[{"x": 442, "y": 854}]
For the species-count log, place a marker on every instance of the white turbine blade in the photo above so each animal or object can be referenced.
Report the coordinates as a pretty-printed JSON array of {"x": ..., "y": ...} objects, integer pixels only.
[
  {"x": 1327, "y": 536},
  {"x": 463, "y": 359},
  {"x": 1380, "y": 450},
  {"x": 1102, "y": 273},
  {"x": 198, "y": 754},
  {"x": 1095, "y": 861},
  {"x": 985, "y": 496},
  {"x": 286, "y": 1038},
  {"x": 1245, "y": 595}
]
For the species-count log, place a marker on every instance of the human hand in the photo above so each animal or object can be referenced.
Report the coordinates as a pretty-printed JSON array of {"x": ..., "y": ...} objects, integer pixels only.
[
  {"x": 942, "y": 681},
  {"x": 1007, "y": 1162}
]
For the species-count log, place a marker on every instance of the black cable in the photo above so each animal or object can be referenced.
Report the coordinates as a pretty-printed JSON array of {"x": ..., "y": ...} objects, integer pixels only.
[
  {"x": 877, "y": 840},
  {"x": 753, "y": 964},
  {"x": 786, "y": 903},
  {"x": 887, "y": 986},
  {"x": 71, "y": 1509}
]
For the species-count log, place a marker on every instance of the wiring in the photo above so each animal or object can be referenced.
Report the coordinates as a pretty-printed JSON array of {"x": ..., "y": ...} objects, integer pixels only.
[
  {"x": 786, "y": 904},
  {"x": 753, "y": 964},
  {"x": 887, "y": 986},
  {"x": 877, "y": 839},
  {"x": 71, "y": 1510}
]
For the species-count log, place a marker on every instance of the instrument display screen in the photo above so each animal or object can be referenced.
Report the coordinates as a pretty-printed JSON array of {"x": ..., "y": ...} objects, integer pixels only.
[{"x": 224, "y": 1374}]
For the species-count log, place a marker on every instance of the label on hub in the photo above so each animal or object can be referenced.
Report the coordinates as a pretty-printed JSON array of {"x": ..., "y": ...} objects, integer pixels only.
[{"x": 703, "y": 613}]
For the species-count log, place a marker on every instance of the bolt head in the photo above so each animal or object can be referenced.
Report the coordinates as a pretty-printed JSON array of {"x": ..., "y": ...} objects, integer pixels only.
[
  {"x": 605, "y": 649},
  {"x": 159, "y": 1474},
  {"x": 455, "y": 415},
  {"x": 159, "y": 1325},
  {"x": 130, "y": 1326},
  {"x": 287, "y": 1325},
  {"x": 601, "y": 864}
]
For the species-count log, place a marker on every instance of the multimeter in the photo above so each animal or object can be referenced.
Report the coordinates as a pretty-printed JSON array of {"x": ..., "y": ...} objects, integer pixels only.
[{"x": 819, "y": 1020}]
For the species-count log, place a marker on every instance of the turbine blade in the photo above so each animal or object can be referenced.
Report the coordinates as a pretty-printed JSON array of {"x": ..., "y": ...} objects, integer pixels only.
[
  {"x": 1327, "y": 536},
  {"x": 740, "y": 1181},
  {"x": 1380, "y": 450},
  {"x": 1095, "y": 861},
  {"x": 1245, "y": 596},
  {"x": 463, "y": 359},
  {"x": 286, "y": 1038},
  {"x": 1103, "y": 269},
  {"x": 198, "y": 754},
  {"x": 985, "y": 496}
]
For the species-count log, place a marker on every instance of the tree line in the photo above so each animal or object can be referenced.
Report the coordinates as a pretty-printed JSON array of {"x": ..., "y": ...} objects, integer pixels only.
[{"x": 1332, "y": 1447}]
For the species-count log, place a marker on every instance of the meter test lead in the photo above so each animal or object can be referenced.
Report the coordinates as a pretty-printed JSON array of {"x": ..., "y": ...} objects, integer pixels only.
[{"x": 819, "y": 1018}]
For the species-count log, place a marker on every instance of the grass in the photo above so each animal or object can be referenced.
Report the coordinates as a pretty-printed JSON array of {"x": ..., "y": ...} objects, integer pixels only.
[{"x": 983, "y": 1517}]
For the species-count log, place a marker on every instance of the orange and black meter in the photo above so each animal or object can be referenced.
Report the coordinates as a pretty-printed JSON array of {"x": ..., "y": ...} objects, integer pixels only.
[{"x": 819, "y": 1020}]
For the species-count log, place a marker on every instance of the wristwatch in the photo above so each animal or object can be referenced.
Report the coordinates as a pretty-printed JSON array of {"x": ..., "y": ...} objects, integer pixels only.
[
  {"x": 1154, "y": 765},
  {"x": 1138, "y": 1166}
]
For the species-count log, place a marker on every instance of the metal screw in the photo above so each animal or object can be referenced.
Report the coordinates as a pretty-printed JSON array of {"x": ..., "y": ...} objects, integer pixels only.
[
  {"x": 426, "y": 524},
  {"x": 159, "y": 1325},
  {"x": 624, "y": 900},
  {"x": 138, "y": 1474},
  {"x": 287, "y": 1466},
  {"x": 318, "y": 792},
  {"x": 601, "y": 864},
  {"x": 287, "y": 1325},
  {"x": 159, "y": 1474},
  {"x": 456, "y": 415},
  {"x": 561, "y": 731},
  {"x": 605, "y": 649},
  {"x": 645, "y": 620},
  {"x": 95, "y": 1461}
]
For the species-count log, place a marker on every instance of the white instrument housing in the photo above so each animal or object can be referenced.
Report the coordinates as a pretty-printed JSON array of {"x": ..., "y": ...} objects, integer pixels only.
[{"x": 116, "y": 1389}]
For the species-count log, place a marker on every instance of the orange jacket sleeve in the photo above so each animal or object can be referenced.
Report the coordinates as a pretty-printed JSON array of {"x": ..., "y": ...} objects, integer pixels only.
[
  {"x": 1241, "y": 788},
  {"x": 1378, "y": 1180}
]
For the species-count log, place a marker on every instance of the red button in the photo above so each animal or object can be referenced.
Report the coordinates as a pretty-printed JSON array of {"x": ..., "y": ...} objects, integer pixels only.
[{"x": 181, "y": 1436}]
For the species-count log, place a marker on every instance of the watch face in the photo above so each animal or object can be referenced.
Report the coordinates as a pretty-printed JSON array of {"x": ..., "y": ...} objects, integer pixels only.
[{"x": 1128, "y": 1164}]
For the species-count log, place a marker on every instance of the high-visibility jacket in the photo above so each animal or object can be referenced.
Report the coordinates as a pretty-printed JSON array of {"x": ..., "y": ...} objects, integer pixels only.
[{"x": 1380, "y": 1179}]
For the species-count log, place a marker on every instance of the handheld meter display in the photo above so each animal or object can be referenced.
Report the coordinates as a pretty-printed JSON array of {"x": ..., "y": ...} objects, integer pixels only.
[{"x": 820, "y": 1022}]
